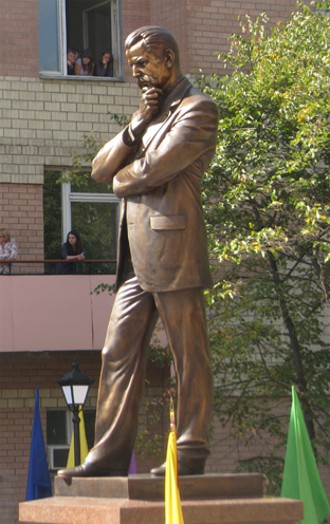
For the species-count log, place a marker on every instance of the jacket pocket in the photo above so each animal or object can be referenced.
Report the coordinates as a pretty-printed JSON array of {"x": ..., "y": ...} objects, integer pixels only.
[{"x": 168, "y": 222}]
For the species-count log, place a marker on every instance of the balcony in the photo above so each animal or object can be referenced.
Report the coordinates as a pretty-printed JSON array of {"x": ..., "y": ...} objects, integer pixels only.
[{"x": 53, "y": 312}]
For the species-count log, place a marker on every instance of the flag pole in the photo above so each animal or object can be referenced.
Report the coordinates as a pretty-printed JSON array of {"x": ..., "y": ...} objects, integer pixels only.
[
  {"x": 173, "y": 510},
  {"x": 38, "y": 482}
]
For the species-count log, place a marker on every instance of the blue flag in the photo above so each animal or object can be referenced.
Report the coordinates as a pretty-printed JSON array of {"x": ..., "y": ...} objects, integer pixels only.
[{"x": 39, "y": 484}]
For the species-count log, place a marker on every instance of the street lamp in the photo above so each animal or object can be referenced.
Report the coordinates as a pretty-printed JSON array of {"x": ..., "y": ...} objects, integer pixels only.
[{"x": 75, "y": 386}]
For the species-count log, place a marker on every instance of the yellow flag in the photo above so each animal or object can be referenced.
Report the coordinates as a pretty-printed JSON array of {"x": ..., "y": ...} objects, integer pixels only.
[
  {"x": 173, "y": 510},
  {"x": 83, "y": 443}
]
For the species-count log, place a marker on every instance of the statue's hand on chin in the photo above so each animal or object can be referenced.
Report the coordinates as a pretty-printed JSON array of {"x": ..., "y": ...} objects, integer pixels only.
[{"x": 150, "y": 105}]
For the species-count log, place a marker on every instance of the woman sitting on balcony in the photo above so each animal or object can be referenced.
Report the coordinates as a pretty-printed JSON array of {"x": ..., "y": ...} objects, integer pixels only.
[
  {"x": 72, "y": 251},
  {"x": 8, "y": 251}
]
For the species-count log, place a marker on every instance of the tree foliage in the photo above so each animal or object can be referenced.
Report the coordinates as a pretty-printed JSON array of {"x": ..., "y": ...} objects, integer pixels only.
[{"x": 267, "y": 199}]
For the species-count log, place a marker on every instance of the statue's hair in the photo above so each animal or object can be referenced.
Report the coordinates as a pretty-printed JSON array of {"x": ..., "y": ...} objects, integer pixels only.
[{"x": 153, "y": 37}]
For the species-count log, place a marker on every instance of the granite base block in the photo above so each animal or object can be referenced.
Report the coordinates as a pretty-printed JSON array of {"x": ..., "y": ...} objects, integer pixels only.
[
  {"x": 85, "y": 510},
  {"x": 205, "y": 499}
]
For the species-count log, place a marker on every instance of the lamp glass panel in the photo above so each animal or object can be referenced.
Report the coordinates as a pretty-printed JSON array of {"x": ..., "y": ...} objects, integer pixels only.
[
  {"x": 80, "y": 394},
  {"x": 67, "y": 392}
]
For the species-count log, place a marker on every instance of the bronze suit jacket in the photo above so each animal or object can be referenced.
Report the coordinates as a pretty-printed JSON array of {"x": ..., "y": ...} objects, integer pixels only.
[{"x": 160, "y": 184}]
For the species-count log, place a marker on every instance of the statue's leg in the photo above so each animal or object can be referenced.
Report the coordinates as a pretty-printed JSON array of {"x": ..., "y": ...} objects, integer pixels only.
[
  {"x": 183, "y": 316},
  {"x": 131, "y": 324}
]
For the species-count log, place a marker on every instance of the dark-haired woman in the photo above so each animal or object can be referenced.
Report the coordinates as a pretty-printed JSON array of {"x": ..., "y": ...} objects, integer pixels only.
[
  {"x": 72, "y": 252},
  {"x": 85, "y": 65},
  {"x": 104, "y": 66}
]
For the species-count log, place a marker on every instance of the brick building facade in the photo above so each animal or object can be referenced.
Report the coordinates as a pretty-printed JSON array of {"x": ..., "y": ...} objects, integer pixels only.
[{"x": 44, "y": 118}]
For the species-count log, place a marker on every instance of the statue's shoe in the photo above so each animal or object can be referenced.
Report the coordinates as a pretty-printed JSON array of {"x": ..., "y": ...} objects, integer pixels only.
[
  {"x": 184, "y": 469},
  {"x": 89, "y": 470}
]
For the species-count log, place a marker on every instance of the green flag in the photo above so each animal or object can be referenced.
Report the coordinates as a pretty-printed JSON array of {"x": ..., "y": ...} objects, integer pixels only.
[{"x": 301, "y": 478}]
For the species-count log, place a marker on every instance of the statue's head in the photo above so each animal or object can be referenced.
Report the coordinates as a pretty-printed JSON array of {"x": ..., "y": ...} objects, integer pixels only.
[{"x": 153, "y": 55}]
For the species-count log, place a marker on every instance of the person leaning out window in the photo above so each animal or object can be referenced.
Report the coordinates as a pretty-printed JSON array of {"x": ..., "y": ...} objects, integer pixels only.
[{"x": 104, "y": 67}]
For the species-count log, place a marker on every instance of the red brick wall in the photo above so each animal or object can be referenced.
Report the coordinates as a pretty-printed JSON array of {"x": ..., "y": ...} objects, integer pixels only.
[
  {"x": 21, "y": 212},
  {"x": 19, "y": 37},
  {"x": 211, "y": 22},
  {"x": 201, "y": 27},
  {"x": 174, "y": 16}
]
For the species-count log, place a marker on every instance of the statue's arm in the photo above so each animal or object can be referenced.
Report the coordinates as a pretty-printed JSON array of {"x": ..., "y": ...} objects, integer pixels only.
[
  {"x": 111, "y": 157},
  {"x": 192, "y": 134}
]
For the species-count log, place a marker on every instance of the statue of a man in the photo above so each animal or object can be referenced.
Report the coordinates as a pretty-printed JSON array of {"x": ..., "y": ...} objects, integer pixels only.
[{"x": 156, "y": 166}]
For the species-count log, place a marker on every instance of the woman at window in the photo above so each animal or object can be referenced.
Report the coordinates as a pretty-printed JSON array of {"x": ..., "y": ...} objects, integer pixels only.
[
  {"x": 8, "y": 251},
  {"x": 104, "y": 67},
  {"x": 85, "y": 65},
  {"x": 72, "y": 252},
  {"x": 71, "y": 61}
]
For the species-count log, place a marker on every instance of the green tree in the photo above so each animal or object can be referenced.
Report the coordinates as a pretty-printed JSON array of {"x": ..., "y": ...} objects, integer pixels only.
[{"x": 267, "y": 199}]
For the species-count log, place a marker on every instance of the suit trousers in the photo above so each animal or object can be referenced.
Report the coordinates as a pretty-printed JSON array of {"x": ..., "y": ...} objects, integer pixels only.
[{"x": 124, "y": 356}]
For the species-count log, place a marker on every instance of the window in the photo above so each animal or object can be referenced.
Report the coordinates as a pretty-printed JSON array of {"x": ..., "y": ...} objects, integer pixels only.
[
  {"x": 89, "y": 209},
  {"x": 77, "y": 24},
  {"x": 59, "y": 434},
  {"x": 59, "y": 430}
]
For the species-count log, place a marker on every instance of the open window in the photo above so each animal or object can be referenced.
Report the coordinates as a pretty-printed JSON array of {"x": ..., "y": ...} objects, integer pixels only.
[
  {"x": 78, "y": 25},
  {"x": 86, "y": 207},
  {"x": 59, "y": 435}
]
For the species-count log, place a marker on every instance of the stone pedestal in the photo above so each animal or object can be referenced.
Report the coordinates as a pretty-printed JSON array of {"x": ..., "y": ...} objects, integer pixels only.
[{"x": 139, "y": 499}]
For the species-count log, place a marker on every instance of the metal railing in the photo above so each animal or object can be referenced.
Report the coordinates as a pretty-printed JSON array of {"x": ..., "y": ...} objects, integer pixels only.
[{"x": 50, "y": 266}]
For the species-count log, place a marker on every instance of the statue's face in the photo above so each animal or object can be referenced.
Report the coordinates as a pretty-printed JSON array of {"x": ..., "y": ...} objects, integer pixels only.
[{"x": 150, "y": 68}]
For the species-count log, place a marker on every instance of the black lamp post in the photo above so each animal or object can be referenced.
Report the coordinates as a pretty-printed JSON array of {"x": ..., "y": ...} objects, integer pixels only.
[{"x": 75, "y": 386}]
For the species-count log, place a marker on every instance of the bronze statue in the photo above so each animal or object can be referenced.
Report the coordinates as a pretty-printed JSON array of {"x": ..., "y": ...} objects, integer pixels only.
[{"x": 156, "y": 166}]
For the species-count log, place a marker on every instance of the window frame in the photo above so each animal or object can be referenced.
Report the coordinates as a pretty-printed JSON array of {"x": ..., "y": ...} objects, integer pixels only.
[
  {"x": 65, "y": 446},
  {"x": 59, "y": 206},
  {"x": 69, "y": 197},
  {"x": 61, "y": 44}
]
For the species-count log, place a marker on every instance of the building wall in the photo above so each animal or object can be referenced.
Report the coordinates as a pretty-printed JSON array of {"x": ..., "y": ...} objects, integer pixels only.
[
  {"x": 49, "y": 312},
  {"x": 19, "y": 37},
  {"x": 43, "y": 123},
  {"x": 211, "y": 22},
  {"x": 21, "y": 210},
  {"x": 201, "y": 27}
]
